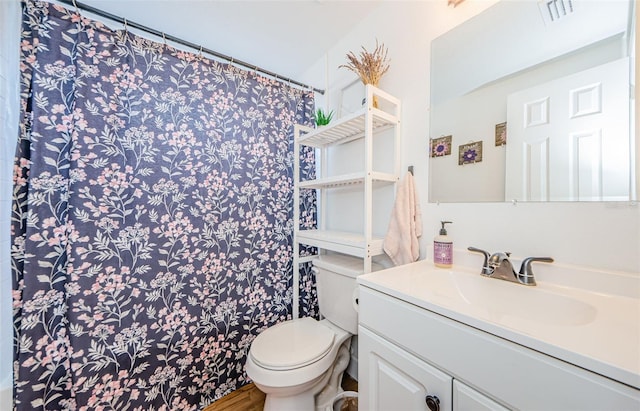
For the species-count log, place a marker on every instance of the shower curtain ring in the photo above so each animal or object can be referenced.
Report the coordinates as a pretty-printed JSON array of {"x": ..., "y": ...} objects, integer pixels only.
[
  {"x": 200, "y": 52},
  {"x": 76, "y": 6},
  {"x": 126, "y": 27},
  {"x": 164, "y": 38}
]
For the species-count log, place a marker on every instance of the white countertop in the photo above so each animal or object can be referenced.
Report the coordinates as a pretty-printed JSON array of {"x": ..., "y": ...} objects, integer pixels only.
[{"x": 590, "y": 329}]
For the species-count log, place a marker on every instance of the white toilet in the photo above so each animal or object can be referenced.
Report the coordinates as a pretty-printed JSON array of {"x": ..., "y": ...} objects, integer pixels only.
[{"x": 299, "y": 363}]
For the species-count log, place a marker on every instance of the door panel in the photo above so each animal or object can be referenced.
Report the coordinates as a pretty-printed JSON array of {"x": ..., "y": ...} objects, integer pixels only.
[
  {"x": 396, "y": 380},
  {"x": 568, "y": 139}
]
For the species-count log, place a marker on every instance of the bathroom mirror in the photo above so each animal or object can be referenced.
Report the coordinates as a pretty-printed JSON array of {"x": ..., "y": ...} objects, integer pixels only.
[{"x": 531, "y": 101}]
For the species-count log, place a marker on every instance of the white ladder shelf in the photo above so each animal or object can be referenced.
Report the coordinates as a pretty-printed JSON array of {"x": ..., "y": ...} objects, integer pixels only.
[{"x": 363, "y": 124}]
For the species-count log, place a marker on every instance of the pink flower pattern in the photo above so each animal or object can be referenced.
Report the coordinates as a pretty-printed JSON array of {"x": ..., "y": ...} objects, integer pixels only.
[{"x": 152, "y": 218}]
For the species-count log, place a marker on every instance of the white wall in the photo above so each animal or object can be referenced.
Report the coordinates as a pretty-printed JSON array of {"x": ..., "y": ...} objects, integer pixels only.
[{"x": 598, "y": 235}]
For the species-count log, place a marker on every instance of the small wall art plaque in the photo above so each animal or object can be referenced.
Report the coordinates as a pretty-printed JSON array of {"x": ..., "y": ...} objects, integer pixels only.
[
  {"x": 470, "y": 153},
  {"x": 441, "y": 146},
  {"x": 501, "y": 134}
]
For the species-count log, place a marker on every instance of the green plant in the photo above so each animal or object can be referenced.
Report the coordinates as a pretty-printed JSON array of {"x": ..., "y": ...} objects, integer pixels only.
[{"x": 323, "y": 118}]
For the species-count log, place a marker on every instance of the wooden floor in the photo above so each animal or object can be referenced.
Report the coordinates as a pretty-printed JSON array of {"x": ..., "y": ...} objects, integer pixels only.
[{"x": 249, "y": 398}]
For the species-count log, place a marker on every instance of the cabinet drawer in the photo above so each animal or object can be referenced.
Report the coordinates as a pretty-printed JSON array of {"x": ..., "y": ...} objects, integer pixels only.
[
  {"x": 520, "y": 377},
  {"x": 392, "y": 379}
]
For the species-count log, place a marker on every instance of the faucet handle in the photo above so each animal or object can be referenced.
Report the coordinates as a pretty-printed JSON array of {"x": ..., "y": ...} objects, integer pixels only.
[
  {"x": 478, "y": 250},
  {"x": 485, "y": 266},
  {"x": 526, "y": 270}
]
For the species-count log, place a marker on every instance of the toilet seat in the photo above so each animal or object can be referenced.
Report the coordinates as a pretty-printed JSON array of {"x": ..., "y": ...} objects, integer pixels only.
[{"x": 292, "y": 344}]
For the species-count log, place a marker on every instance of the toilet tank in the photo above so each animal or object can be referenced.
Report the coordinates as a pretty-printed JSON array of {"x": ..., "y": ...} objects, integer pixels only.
[{"x": 337, "y": 288}]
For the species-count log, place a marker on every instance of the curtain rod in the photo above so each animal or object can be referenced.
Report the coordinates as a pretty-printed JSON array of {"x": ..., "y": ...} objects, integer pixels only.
[{"x": 128, "y": 23}]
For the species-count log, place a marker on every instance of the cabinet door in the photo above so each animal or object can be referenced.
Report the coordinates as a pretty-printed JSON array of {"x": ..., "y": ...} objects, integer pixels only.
[
  {"x": 466, "y": 398},
  {"x": 391, "y": 379}
]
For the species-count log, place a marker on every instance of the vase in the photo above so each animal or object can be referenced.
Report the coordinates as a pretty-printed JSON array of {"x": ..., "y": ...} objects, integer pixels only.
[
  {"x": 374, "y": 103},
  {"x": 375, "y": 98}
]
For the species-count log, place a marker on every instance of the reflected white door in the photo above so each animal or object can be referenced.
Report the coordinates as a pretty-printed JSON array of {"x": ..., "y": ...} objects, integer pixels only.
[{"x": 568, "y": 139}]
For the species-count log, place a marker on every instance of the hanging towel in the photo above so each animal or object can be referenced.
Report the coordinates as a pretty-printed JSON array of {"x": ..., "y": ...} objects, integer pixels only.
[{"x": 405, "y": 227}]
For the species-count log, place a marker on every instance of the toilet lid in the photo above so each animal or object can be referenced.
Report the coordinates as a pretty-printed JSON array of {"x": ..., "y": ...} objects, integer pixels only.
[{"x": 292, "y": 344}]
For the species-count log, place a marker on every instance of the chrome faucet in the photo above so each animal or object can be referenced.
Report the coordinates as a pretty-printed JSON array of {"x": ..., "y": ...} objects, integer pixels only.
[{"x": 499, "y": 266}]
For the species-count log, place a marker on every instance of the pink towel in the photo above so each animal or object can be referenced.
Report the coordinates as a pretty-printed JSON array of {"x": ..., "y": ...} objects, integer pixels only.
[{"x": 405, "y": 227}]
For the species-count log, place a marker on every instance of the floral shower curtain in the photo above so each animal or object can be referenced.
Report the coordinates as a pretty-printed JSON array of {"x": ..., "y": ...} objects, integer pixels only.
[{"x": 152, "y": 218}]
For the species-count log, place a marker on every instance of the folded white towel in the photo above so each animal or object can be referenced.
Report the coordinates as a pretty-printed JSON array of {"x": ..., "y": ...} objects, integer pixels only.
[{"x": 405, "y": 227}]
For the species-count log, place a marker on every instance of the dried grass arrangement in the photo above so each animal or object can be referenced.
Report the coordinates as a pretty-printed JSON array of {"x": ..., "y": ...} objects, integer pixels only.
[{"x": 370, "y": 66}]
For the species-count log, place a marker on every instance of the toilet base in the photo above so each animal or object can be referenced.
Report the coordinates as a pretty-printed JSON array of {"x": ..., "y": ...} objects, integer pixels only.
[
  {"x": 317, "y": 395},
  {"x": 302, "y": 400},
  {"x": 324, "y": 399},
  {"x": 296, "y": 403}
]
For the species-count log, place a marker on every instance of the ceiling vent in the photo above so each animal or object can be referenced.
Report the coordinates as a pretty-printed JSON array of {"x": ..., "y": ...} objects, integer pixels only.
[{"x": 555, "y": 10}]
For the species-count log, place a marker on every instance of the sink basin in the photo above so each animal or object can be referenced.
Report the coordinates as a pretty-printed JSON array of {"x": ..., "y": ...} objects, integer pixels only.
[
  {"x": 501, "y": 301},
  {"x": 593, "y": 326}
]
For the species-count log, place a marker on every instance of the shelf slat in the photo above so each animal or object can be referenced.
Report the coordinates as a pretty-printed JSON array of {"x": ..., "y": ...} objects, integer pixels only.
[
  {"x": 348, "y": 180},
  {"x": 347, "y": 129},
  {"x": 341, "y": 241}
]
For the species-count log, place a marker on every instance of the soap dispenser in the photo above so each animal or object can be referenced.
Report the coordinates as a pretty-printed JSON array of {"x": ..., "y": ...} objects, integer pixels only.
[{"x": 443, "y": 248}]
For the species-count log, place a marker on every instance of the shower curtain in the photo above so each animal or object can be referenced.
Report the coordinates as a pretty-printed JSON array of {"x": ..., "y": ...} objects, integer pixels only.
[{"x": 152, "y": 218}]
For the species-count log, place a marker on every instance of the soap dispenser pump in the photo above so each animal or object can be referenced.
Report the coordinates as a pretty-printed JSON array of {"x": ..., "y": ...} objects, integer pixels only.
[{"x": 443, "y": 248}]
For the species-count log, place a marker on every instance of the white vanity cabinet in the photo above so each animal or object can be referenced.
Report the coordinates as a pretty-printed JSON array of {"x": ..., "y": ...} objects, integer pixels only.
[{"x": 407, "y": 353}]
